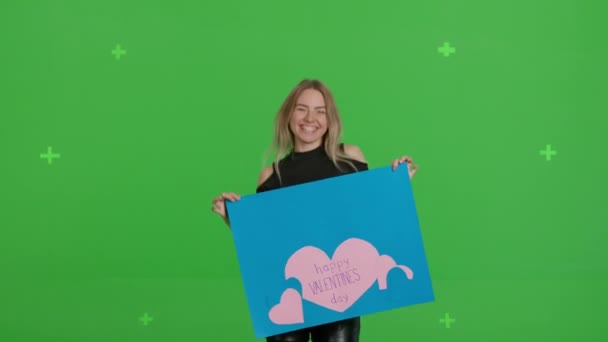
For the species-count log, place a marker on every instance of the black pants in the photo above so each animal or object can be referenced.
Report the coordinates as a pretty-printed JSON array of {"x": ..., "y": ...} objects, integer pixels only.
[{"x": 341, "y": 331}]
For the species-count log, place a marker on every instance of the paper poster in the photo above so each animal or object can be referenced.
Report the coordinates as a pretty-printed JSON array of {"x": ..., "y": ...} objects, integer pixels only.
[{"x": 328, "y": 250}]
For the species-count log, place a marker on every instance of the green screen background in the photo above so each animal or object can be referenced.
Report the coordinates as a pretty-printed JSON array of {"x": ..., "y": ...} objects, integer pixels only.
[{"x": 119, "y": 226}]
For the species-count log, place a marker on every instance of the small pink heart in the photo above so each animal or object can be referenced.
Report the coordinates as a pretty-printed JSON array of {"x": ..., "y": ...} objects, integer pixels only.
[
  {"x": 385, "y": 264},
  {"x": 289, "y": 310}
]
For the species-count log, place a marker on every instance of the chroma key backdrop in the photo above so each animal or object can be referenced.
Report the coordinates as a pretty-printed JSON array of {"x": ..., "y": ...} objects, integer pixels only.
[{"x": 121, "y": 120}]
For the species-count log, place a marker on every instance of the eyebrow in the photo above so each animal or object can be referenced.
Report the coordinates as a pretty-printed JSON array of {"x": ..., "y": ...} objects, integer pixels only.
[{"x": 299, "y": 104}]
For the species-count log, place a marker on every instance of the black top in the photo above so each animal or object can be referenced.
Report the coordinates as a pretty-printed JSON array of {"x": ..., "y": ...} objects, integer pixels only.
[{"x": 302, "y": 167}]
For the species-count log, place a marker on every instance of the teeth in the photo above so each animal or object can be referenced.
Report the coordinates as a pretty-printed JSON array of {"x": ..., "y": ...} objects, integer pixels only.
[{"x": 309, "y": 129}]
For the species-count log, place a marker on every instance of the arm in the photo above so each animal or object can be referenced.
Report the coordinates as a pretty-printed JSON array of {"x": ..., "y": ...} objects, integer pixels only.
[
  {"x": 227, "y": 220},
  {"x": 354, "y": 152},
  {"x": 264, "y": 175}
]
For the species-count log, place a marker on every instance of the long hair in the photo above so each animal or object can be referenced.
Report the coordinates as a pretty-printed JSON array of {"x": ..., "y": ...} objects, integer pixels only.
[{"x": 283, "y": 141}]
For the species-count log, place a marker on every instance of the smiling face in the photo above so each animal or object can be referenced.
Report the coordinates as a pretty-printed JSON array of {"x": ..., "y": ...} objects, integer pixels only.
[{"x": 309, "y": 120}]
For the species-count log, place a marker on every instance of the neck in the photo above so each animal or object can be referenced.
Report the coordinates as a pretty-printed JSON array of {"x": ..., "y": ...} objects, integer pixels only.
[{"x": 306, "y": 147}]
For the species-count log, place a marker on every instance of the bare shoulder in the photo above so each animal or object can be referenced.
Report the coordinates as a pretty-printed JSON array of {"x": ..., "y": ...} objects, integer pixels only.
[
  {"x": 265, "y": 174},
  {"x": 354, "y": 152}
]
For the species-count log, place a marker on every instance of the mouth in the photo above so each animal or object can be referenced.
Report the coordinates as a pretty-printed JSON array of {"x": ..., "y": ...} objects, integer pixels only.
[{"x": 309, "y": 129}]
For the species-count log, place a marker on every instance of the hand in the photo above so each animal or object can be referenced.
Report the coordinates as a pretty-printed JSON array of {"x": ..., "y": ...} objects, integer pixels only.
[
  {"x": 219, "y": 204},
  {"x": 411, "y": 167}
]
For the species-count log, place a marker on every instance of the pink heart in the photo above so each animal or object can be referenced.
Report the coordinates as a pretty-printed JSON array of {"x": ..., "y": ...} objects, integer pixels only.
[
  {"x": 289, "y": 310},
  {"x": 385, "y": 264},
  {"x": 338, "y": 283}
]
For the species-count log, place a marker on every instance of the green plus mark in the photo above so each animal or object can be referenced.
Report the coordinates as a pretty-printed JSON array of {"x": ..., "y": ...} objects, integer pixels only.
[
  {"x": 118, "y": 51},
  {"x": 548, "y": 152},
  {"x": 446, "y": 49},
  {"x": 146, "y": 319},
  {"x": 447, "y": 320},
  {"x": 50, "y": 155}
]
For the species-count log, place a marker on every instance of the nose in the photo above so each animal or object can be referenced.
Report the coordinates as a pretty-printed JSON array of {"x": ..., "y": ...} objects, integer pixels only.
[{"x": 309, "y": 117}]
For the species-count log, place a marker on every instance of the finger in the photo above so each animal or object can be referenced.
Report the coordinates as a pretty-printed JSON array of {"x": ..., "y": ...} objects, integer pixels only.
[
  {"x": 226, "y": 196},
  {"x": 395, "y": 164},
  {"x": 230, "y": 196}
]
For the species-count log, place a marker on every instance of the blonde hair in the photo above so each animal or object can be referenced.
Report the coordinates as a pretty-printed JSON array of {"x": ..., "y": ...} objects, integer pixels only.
[{"x": 283, "y": 141}]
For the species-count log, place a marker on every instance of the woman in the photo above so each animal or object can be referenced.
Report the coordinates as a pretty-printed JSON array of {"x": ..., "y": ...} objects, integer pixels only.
[{"x": 307, "y": 133}]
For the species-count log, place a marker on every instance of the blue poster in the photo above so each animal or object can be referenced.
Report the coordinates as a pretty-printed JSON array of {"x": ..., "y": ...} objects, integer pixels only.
[{"x": 329, "y": 250}]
